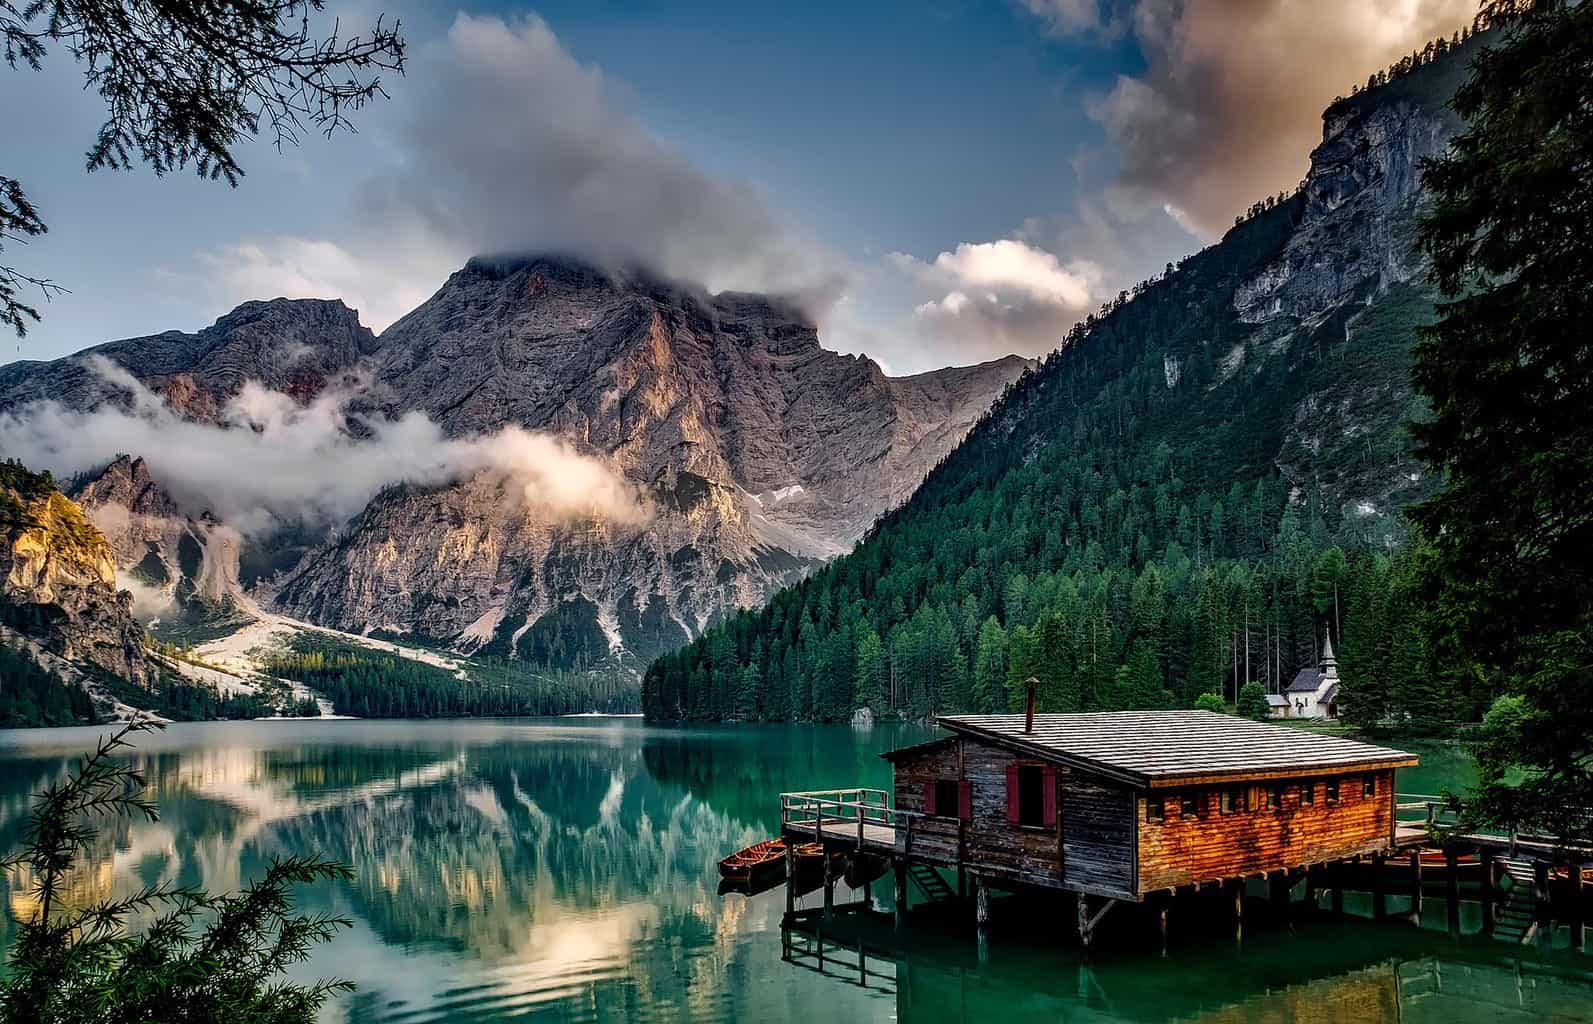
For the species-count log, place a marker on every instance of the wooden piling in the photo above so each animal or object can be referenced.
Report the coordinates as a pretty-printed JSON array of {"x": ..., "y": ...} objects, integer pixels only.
[
  {"x": 790, "y": 878},
  {"x": 1575, "y": 911},
  {"x": 981, "y": 903},
  {"x": 829, "y": 884},
  {"x": 1540, "y": 898},
  {"x": 1379, "y": 893},
  {"x": 899, "y": 869},
  {"x": 1162, "y": 906},
  {"x": 1086, "y": 935},
  {"x": 1487, "y": 897},
  {"x": 1452, "y": 889},
  {"x": 1238, "y": 887},
  {"x": 1416, "y": 886}
]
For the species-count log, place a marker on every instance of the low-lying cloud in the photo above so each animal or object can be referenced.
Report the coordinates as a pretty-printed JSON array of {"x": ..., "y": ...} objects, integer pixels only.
[
  {"x": 271, "y": 461},
  {"x": 512, "y": 146},
  {"x": 1228, "y": 107},
  {"x": 999, "y": 297}
]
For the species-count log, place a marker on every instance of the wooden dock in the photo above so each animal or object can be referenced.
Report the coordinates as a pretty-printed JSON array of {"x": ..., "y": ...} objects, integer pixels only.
[{"x": 1517, "y": 889}]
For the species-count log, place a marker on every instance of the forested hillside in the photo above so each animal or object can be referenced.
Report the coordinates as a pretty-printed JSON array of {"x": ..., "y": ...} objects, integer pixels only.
[{"x": 1199, "y": 485}]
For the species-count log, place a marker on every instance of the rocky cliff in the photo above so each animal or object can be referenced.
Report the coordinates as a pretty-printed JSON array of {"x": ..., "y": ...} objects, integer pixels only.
[
  {"x": 58, "y": 579},
  {"x": 757, "y": 453},
  {"x": 761, "y": 452}
]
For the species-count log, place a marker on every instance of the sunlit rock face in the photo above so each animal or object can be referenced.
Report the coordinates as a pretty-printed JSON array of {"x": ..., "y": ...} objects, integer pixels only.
[
  {"x": 760, "y": 454},
  {"x": 1342, "y": 302},
  {"x": 58, "y": 584}
]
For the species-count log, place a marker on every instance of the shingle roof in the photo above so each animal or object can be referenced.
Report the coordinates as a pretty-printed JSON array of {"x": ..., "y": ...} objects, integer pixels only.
[
  {"x": 1305, "y": 681},
  {"x": 1167, "y": 748},
  {"x": 1277, "y": 700}
]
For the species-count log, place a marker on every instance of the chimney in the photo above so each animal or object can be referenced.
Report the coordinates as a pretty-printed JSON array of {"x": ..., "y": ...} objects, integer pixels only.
[{"x": 1028, "y": 714}]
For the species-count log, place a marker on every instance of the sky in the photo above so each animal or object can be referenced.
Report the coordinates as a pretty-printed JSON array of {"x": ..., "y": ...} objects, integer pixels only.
[{"x": 939, "y": 182}]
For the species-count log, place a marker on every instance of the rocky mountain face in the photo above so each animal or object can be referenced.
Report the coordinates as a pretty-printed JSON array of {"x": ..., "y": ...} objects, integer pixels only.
[
  {"x": 757, "y": 453},
  {"x": 760, "y": 452},
  {"x": 58, "y": 579}
]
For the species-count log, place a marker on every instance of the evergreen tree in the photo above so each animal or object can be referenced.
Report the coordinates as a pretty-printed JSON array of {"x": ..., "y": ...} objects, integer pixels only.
[{"x": 1508, "y": 372}]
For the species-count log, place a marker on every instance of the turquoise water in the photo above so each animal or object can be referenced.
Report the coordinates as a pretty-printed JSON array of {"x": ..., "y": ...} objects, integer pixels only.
[{"x": 566, "y": 871}]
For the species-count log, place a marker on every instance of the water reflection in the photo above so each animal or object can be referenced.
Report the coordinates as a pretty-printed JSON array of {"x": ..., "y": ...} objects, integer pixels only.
[{"x": 567, "y": 871}]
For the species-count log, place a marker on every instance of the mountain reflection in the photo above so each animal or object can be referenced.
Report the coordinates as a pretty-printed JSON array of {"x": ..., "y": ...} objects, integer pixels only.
[{"x": 568, "y": 871}]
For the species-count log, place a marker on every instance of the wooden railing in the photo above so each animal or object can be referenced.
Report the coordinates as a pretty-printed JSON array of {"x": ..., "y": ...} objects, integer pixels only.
[{"x": 847, "y": 814}]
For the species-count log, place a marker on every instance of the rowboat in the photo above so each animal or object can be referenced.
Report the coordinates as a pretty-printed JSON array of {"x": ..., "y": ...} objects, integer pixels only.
[{"x": 757, "y": 863}]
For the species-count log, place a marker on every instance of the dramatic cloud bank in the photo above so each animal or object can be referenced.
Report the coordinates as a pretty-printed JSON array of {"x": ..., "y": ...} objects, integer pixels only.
[
  {"x": 1229, "y": 105},
  {"x": 1000, "y": 297},
  {"x": 271, "y": 460},
  {"x": 514, "y": 146}
]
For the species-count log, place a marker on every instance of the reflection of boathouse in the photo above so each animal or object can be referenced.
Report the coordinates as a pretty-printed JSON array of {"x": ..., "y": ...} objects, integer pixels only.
[{"x": 1342, "y": 970}]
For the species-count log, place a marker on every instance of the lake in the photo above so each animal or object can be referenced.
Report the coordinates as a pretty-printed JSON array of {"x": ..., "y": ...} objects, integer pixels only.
[{"x": 566, "y": 871}]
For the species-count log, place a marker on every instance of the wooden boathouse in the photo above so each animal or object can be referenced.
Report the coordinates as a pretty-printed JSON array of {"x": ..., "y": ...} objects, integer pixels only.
[{"x": 1114, "y": 806}]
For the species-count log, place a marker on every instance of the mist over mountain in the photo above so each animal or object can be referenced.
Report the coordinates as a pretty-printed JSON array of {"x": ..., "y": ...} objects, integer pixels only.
[{"x": 547, "y": 461}]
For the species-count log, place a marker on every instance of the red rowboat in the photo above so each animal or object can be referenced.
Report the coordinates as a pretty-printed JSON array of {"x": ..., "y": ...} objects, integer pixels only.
[{"x": 756, "y": 862}]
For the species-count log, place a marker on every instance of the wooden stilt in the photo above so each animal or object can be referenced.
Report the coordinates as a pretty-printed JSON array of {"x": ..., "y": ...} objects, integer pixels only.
[
  {"x": 1575, "y": 912},
  {"x": 1238, "y": 887},
  {"x": 1488, "y": 892},
  {"x": 1310, "y": 888},
  {"x": 1086, "y": 935},
  {"x": 981, "y": 903},
  {"x": 1540, "y": 898},
  {"x": 1379, "y": 896},
  {"x": 899, "y": 869},
  {"x": 1163, "y": 905},
  {"x": 790, "y": 877},
  {"x": 829, "y": 885},
  {"x": 1452, "y": 889},
  {"x": 1416, "y": 886}
]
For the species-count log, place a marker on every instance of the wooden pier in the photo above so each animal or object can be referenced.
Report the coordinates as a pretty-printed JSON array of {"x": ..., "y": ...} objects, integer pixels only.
[{"x": 1135, "y": 808}]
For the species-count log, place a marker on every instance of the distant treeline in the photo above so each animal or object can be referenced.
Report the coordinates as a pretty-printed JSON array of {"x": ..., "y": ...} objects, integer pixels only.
[{"x": 373, "y": 684}]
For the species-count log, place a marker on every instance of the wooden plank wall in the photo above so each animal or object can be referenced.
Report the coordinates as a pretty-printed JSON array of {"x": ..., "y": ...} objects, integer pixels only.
[
  {"x": 934, "y": 838},
  {"x": 1091, "y": 846},
  {"x": 1174, "y": 852},
  {"x": 1097, "y": 833},
  {"x": 1030, "y": 853}
]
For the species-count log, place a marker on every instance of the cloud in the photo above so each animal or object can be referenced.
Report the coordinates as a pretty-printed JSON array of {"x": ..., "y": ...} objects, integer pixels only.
[
  {"x": 508, "y": 144},
  {"x": 998, "y": 297},
  {"x": 1076, "y": 17},
  {"x": 271, "y": 461},
  {"x": 1228, "y": 107}
]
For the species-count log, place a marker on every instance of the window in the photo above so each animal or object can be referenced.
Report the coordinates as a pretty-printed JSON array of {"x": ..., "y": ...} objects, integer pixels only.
[
  {"x": 1274, "y": 797},
  {"x": 1233, "y": 799},
  {"x": 1307, "y": 794},
  {"x": 946, "y": 797},
  {"x": 1189, "y": 806},
  {"x": 1155, "y": 808},
  {"x": 1031, "y": 795},
  {"x": 1332, "y": 787},
  {"x": 949, "y": 798},
  {"x": 1369, "y": 786}
]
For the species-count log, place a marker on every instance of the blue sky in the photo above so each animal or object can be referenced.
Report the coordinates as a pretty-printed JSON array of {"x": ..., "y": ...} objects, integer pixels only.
[{"x": 946, "y": 182}]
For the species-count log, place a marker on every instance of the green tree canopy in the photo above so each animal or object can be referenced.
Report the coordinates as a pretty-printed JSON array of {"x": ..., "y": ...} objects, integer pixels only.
[
  {"x": 184, "y": 84},
  {"x": 195, "y": 956},
  {"x": 1508, "y": 372}
]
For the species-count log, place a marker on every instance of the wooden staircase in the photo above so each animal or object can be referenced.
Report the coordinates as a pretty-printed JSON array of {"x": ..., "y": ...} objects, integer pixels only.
[
  {"x": 1513, "y": 916},
  {"x": 930, "y": 883}
]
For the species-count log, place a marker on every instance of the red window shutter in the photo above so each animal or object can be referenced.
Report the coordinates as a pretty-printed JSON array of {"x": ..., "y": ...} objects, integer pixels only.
[
  {"x": 929, "y": 798},
  {"x": 1048, "y": 806},
  {"x": 1012, "y": 793},
  {"x": 965, "y": 800}
]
